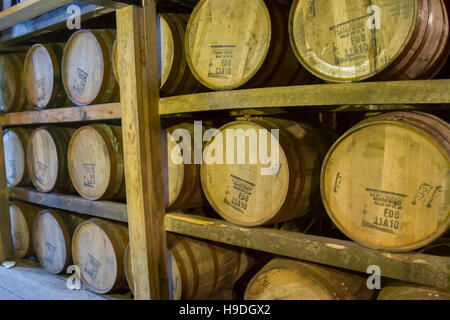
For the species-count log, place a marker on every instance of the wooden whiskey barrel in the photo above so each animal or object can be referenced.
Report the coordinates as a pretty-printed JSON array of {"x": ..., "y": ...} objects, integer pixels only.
[
  {"x": 22, "y": 217},
  {"x": 95, "y": 158},
  {"x": 184, "y": 186},
  {"x": 12, "y": 91},
  {"x": 52, "y": 236},
  {"x": 47, "y": 159},
  {"x": 87, "y": 67},
  {"x": 285, "y": 279},
  {"x": 98, "y": 248},
  {"x": 199, "y": 269},
  {"x": 253, "y": 191},
  {"x": 338, "y": 41},
  {"x": 174, "y": 73},
  {"x": 15, "y": 143},
  {"x": 231, "y": 44},
  {"x": 412, "y": 292},
  {"x": 42, "y": 76},
  {"x": 385, "y": 182}
]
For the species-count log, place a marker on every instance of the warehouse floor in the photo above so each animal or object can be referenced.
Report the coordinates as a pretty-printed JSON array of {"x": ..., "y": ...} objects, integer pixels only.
[{"x": 28, "y": 281}]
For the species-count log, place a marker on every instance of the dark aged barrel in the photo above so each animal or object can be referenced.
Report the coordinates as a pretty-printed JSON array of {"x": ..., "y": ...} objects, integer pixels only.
[
  {"x": 231, "y": 44},
  {"x": 47, "y": 159},
  {"x": 285, "y": 279},
  {"x": 184, "y": 185},
  {"x": 22, "y": 217},
  {"x": 15, "y": 143},
  {"x": 42, "y": 76},
  {"x": 98, "y": 248},
  {"x": 52, "y": 238},
  {"x": 406, "y": 291},
  {"x": 95, "y": 158},
  {"x": 12, "y": 91},
  {"x": 199, "y": 269},
  {"x": 339, "y": 41},
  {"x": 174, "y": 74},
  {"x": 385, "y": 182},
  {"x": 256, "y": 191},
  {"x": 87, "y": 67}
]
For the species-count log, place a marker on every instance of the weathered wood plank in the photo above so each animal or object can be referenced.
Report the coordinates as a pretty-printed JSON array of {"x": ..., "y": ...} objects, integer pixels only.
[
  {"x": 6, "y": 243},
  {"x": 366, "y": 93},
  {"x": 102, "y": 209},
  {"x": 27, "y": 10},
  {"x": 48, "y": 22},
  {"x": 412, "y": 267},
  {"x": 110, "y": 111},
  {"x": 139, "y": 91}
]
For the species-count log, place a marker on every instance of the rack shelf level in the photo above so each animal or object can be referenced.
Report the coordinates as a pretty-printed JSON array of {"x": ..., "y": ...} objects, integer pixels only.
[
  {"x": 101, "y": 209},
  {"x": 375, "y": 94},
  {"x": 412, "y": 267},
  {"x": 110, "y": 111}
]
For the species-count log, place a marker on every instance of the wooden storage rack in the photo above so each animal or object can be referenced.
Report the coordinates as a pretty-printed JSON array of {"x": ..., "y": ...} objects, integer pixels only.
[{"x": 140, "y": 111}]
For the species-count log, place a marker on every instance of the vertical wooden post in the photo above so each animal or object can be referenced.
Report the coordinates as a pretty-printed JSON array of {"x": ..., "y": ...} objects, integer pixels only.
[
  {"x": 6, "y": 244},
  {"x": 139, "y": 91}
]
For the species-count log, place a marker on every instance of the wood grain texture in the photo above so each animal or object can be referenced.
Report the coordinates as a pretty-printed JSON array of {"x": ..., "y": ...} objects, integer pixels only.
[
  {"x": 22, "y": 218},
  {"x": 52, "y": 238},
  {"x": 98, "y": 248},
  {"x": 15, "y": 142},
  {"x": 250, "y": 190},
  {"x": 285, "y": 279},
  {"x": 407, "y": 291},
  {"x": 110, "y": 111},
  {"x": 47, "y": 159},
  {"x": 12, "y": 90},
  {"x": 42, "y": 76},
  {"x": 6, "y": 240},
  {"x": 411, "y": 267},
  {"x": 87, "y": 67},
  {"x": 102, "y": 209},
  {"x": 339, "y": 42},
  {"x": 230, "y": 44},
  {"x": 420, "y": 92},
  {"x": 95, "y": 161},
  {"x": 138, "y": 73},
  {"x": 385, "y": 183}
]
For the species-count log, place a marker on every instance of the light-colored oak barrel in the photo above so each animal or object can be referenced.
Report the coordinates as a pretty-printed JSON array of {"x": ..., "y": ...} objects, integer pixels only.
[
  {"x": 231, "y": 44},
  {"x": 22, "y": 217},
  {"x": 52, "y": 238},
  {"x": 385, "y": 182},
  {"x": 174, "y": 74},
  {"x": 95, "y": 158},
  {"x": 182, "y": 174},
  {"x": 42, "y": 76},
  {"x": 412, "y": 292},
  {"x": 250, "y": 190},
  {"x": 87, "y": 67},
  {"x": 47, "y": 159},
  {"x": 15, "y": 143},
  {"x": 12, "y": 91},
  {"x": 199, "y": 269},
  {"x": 98, "y": 248},
  {"x": 338, "y": 41},
  {"x": 285, "y": 279}
]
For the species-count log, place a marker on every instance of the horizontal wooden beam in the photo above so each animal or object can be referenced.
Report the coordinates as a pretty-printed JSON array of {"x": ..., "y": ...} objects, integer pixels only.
[
  {"x": 28, "y": 9},
  {"x": 109, "y": 111},
  {"x": 412, "y": 267},
  {"x": 48, "y": 22},
  {"x": 102, "y": 209},
  {"x": 420, "y": 92}
]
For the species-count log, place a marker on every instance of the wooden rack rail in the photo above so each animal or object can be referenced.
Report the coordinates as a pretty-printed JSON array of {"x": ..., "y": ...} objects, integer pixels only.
[{"x": 140, "y": 111}]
